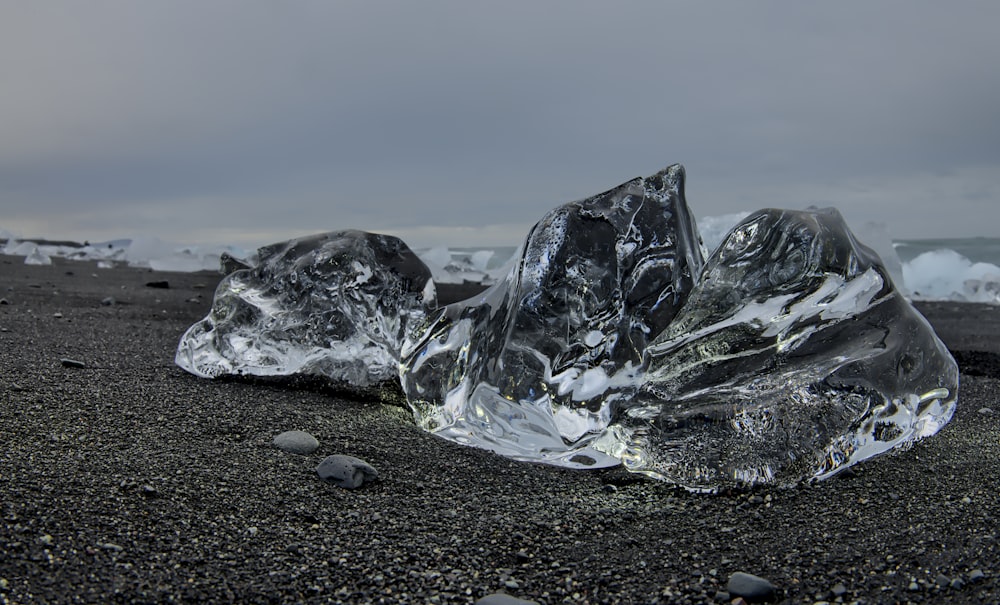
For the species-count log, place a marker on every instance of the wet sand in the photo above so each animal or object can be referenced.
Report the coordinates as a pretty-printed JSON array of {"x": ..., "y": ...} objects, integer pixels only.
[{"x": 127, "y": 480}]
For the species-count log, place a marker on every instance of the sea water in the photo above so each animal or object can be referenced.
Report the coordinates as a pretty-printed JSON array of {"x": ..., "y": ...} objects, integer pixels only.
[{"x": 962, "y": 269}]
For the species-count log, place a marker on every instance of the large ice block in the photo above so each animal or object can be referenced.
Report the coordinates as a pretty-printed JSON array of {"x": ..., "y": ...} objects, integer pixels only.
[
  {"x": 531, "y": 368},
  {"x": 794, "y": 357},
  {"x": 337, "y": 304},
  {"x": 788, "y": 355}
]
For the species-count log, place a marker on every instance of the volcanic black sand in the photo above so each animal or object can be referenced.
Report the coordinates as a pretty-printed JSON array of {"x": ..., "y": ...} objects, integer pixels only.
[{"x": 127, "y": 480}]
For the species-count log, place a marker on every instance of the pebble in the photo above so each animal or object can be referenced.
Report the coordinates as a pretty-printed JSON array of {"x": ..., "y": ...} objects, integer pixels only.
[
  {"x": 107, "y": 302},
  {"x": 296, "y": 442},
  {"x": 839, "y": 590},
  {"x": 942, "y": 580},
  {"x": 346, "y": 471},
  {"x": 986, "y": 411},
  {"x": 72, "y": 363},
  {"x": 499, "y": 598},
  {"x": 57, "y": 315},
  {"x": 4, "y": 301},
  {"x": 976, "y": 575},
  {"x": 749, "y": 586},
  {"x": 162, "y": 284}
]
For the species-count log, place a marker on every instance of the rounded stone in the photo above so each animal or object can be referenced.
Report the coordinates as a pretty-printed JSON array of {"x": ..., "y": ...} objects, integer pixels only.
[
  {"x": 750, "y": 587},
  {"x": 346, "y": 471},
  {"x": 296, "y": 442},
  {"x": 499, "y": 598}
]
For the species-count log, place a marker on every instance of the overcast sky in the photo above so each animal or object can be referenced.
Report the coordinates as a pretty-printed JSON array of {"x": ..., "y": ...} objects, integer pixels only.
[{"x": 464, "y": 122}]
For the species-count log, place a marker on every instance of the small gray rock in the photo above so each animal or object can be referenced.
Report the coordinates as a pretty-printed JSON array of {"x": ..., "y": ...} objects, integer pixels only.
[
  {"x": 839, "y": 590},
  {"x": 986, "y": 411},
  {"x": 296, "y": 442},
  {"x": 72, "y": 363},
  {"x": 499, "y": 598},
  {"x": 346, "y": 471},
  {"x": 750, "y": 587},
  {"x": 976, "y": 575},
  {"x": 108, "y": 301}
]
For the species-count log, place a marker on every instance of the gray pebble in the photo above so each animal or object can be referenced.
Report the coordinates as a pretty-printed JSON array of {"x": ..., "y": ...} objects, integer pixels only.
[
  {"x": 976, "y": 575},
  {"x": 986, "y": 411},
  {"x": 296, "y": 442},
  {"x": 72, "y": 363},
  {"x": 4, "y": 301},
  {"x": 499, "y": 598},
  {"x": 346, "y": 471},
  {"x": 107, "y": 302},
  {"x": 839, "y": 590},
  {"x": 750, "y": 587},
  {"x": 942, "y": 580}
]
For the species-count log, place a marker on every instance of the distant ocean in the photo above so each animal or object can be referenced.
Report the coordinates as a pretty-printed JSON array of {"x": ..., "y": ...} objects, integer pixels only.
[{"x": 964, "y": 269}]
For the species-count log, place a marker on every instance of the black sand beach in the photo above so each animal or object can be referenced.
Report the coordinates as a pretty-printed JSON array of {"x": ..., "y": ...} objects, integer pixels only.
[{"x": 127, "y": 480}]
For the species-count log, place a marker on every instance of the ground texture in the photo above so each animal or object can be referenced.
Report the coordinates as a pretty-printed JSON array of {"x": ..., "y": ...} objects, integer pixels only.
[{"x": 127, "y": 480}]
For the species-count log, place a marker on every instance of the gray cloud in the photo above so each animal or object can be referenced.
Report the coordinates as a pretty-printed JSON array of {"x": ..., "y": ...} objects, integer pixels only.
[{"x": 259, "y": 121}]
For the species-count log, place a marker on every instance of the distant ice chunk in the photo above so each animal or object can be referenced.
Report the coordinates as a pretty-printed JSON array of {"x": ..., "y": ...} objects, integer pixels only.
[
  {"x": 713, "y": 229},
  {"x": 947, "y": 275},
  {"x": 876, "y": 236},
  {"x": 37, "y": 257},
  {"x": 161, "y": 255},
  {"x": 450, "y": 266},
  {"x": 788, "y": 355}
]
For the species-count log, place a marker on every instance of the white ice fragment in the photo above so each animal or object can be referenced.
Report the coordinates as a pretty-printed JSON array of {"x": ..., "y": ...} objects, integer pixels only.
[
  {"x": 947, "y": 275},
  {"x": 37, "y": 257},
  {"x": 481, "y": 259}
]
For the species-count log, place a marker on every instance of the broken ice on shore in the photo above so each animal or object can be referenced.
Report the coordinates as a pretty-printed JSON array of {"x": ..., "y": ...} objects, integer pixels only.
[{"x": 786, "y": 354}]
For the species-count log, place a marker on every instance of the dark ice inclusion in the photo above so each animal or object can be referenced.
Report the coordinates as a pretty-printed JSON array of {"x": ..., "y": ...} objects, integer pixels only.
[{"x": 788, "y": 354}]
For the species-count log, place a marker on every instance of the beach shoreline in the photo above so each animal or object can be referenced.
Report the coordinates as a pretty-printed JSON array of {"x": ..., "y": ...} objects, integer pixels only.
[{"x": 125, "y": 479}]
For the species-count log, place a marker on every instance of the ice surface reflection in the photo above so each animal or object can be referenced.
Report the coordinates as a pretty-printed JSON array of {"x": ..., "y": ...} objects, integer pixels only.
[{"x": 787, "y": 355}]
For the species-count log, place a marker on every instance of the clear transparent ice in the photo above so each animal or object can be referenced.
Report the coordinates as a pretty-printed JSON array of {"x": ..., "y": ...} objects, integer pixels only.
[{"x": 786, "y": 355}]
